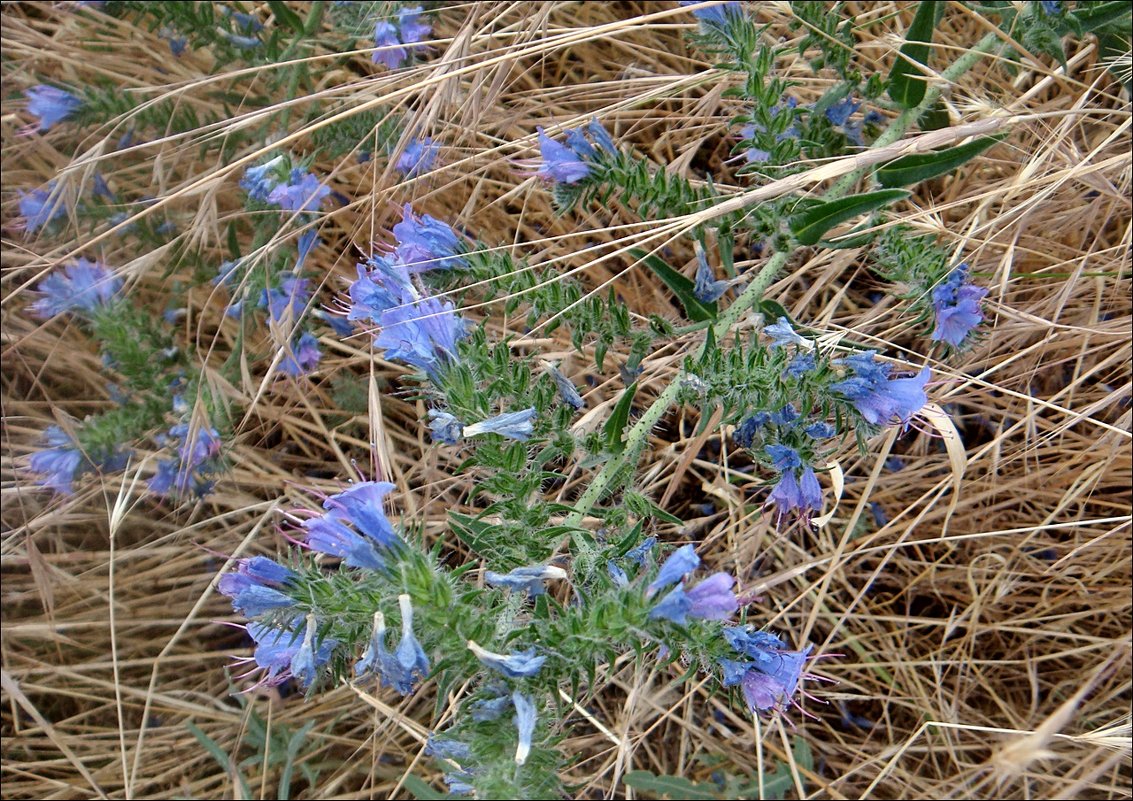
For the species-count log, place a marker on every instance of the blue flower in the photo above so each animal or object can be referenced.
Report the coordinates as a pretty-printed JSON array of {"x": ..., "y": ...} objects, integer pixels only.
[
  {"x": 745, "y": 432},
  {"x": 525, "y": 579},
  {"x": 713, "y": 599},
  {"x": 445, "y": 428},
  {"x": 637, "y": 554},
  {"x": 679, "y": 564},
  {"x": 879, "y": 398},
  {"x": 820, "y": 430},
  {"x": 417, "y": 157},
  {"x": 561, "y": 164},
  {"x": 327, "y": 534},
  {"x": 389, "y": 52},
  {"x": 411, "y": 28},
  {"x": 410, "y": 657},
  {"x": 784, "y": 458},
  {"x": 426, "y": 243},
  {"x": 956, "y": 304},
  {"x": 39, "y": 208},
  {"x": 250, "y": 598},
  {"x": 51, "y": 105},
  {"x": 567, "y": 390},
  {"x": 303, "y": 192},
  {"x": 304, "y": 356},
  {"x": 800, "y": 365},
  {"x": 487, "y": 709},
  {"x": 422, "y": 334},
  {"x": 446, "y": 748},
  {"x": 197, "y": 458},
  {"x": 785, "y": 416},
  {"x": 840, "y": 113},
  {"x": 706, "y": 288},
  {"x": 674, "y": 607},
  {"x": 243, "y": 42},
  {"x": 259, "y": 181},
  {"x": 278, "y": 650},
  {"x": 518, "y": 665},
  {"x": 716, "y": 15},
  {"x": 525, "y": 725},
  {"x": 60, "y": 463},
  {"x": 361, "y": 504},
  {"x": 377, "y": 291},
  {"x": 601, "y": 136},
  {"x": 513, "y": 425},
  {"x": 617, "y": 574},
  {"x": 287, "y": 302},
  {"x": 308, "y": 241},
  {"x": 84, "y": 285},
  {"x": 782, "y": 334}
]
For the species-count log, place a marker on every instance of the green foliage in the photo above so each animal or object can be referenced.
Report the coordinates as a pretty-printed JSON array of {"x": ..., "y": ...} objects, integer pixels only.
[
  {"x": 813, "y": 222},
  {"x": 906, "y": 80},
  {"x": 924, "y": 166},
  {"x": 828, "y": 32}
]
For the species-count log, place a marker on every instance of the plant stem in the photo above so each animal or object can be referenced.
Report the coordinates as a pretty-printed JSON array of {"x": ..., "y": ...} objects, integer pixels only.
[{"x": 638, "y": 434}]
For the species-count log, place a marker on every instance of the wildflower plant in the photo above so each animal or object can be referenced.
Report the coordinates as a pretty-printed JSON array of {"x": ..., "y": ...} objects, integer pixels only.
[{"x": 558, "y": 561}]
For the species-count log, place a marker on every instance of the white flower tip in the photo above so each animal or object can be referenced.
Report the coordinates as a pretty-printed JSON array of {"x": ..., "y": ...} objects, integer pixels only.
[
  {"x": 521, "y": 753},
  {"x": 553, "y": 572}
]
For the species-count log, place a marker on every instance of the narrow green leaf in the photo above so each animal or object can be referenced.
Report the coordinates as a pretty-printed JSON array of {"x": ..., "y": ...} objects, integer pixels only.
[
  {"x": 629, "y": 540},
  {"x": 923, "y": 166},
  {"x": 421, "y": 790},
  {"x": 809, "y": 226},
  {"x": 906, "y": 81},
  {"x": 671, "y": 786},
  {"x": 216, "y": 752},
  {"x": 618, "y": 420},
  {"x": 281, "y": 12},
  {"x": 1096, "y": 15},
  {"x": 682, "y": 287}
]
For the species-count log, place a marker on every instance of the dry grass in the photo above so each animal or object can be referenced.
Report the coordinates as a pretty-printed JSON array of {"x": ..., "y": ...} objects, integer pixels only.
[{"x": 985, "y": 629}]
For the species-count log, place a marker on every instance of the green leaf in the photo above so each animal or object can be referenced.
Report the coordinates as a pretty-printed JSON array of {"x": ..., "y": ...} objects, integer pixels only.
[
  {"x": 1097, "y": 15},
  {"x": 629, "y": 540},
  {"x": 682, "y": 287},
  {"x": 417, "y": 786},
  {"x": 672, "y": 786},
  {"x": 923, "y": 166},
  {"x": 216, "y": 752},
  {"x": 906, "y": 82},
  {"x": 281, "y": 12},
  {"x": 809, "y": 226},
  {"x": 618, "y": 420}
]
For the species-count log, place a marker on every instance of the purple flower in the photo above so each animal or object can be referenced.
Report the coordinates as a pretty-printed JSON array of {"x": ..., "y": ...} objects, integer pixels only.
[
  {"x": 51, "y": 105},
  {"x": 679, "y": 564},
  {"x": 637, "y": 555},
  {"x": 525, "y": 579},
  {"x": 618, "y": 575},
  {"x": 308, "y": 241},
  {"x": 518, "y": 665},
  {"x": 303, "y": 192},
  {"x": 361, "y": 505},
  {"x": 259, "y": 181},
  {"x": 770, "y": 680},
  {"x": 60, "y": 463},
  {"x": 197, "y": 458},
  {"x": 327, "y": 534},
  {"x": 879, "y": 398},
  {"x": 524, "y": 724},
  {"x": 784, "y": 458},
  {"x": 417, "y": 157},
  {"x": 409, "y": 23},
  {"x": 956, "y": 304},
  {"x": 487, "y": 709},
  {"x": 389, "y": 52},
  {"x": 305, "y": 662},
  {"x": 426, "y": 243},
  {"x": 422, "y": 334},
  {"x": 254, "y": 587},
  {"x": 513, "y": 425},
  {"x": 820, "y": 430},
  {"x": 601, "y": 136},
  {"x": 84, "y": 285},
  {"x": 674, "y": 607},
  {"x": 287, "y": 302},
  {"x": 800, "y": 365},
  {"x": 561, "y": 164},
  {"x": 377, "y": 291},
  {"x": 277, "y": 649},
  {"x": 304, "y": 356},
  {"x": 39, "y": 208},
  {"x": 713, "y": 599},
  {"x": 782, "y": 334}
]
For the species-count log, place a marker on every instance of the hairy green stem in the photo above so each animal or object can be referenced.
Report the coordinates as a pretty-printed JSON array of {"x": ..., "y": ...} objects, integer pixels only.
[{"x": 638, "y": 434}]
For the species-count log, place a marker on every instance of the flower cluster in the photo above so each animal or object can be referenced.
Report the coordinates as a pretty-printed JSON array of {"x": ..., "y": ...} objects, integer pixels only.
[
  {"x": 571, "y": 162},
  {"x": 191, "y": 470},
  {"x": 85, "y": 286},
  {"x": 771, "y": 673},
  {"x": 354, "y": 527},
  {"x": 63, "y": 460},
  {"x": 293, "y": 189},
  {"x": 391, "y": 39},
  {"x": 878, "y": 398},
  {"x": 415, "y": 327},
  {"x": 956, "y": 304}
]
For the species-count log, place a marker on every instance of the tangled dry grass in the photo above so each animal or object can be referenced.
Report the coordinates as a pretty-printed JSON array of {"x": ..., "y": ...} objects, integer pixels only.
[{"x": 984, "y": 628}]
